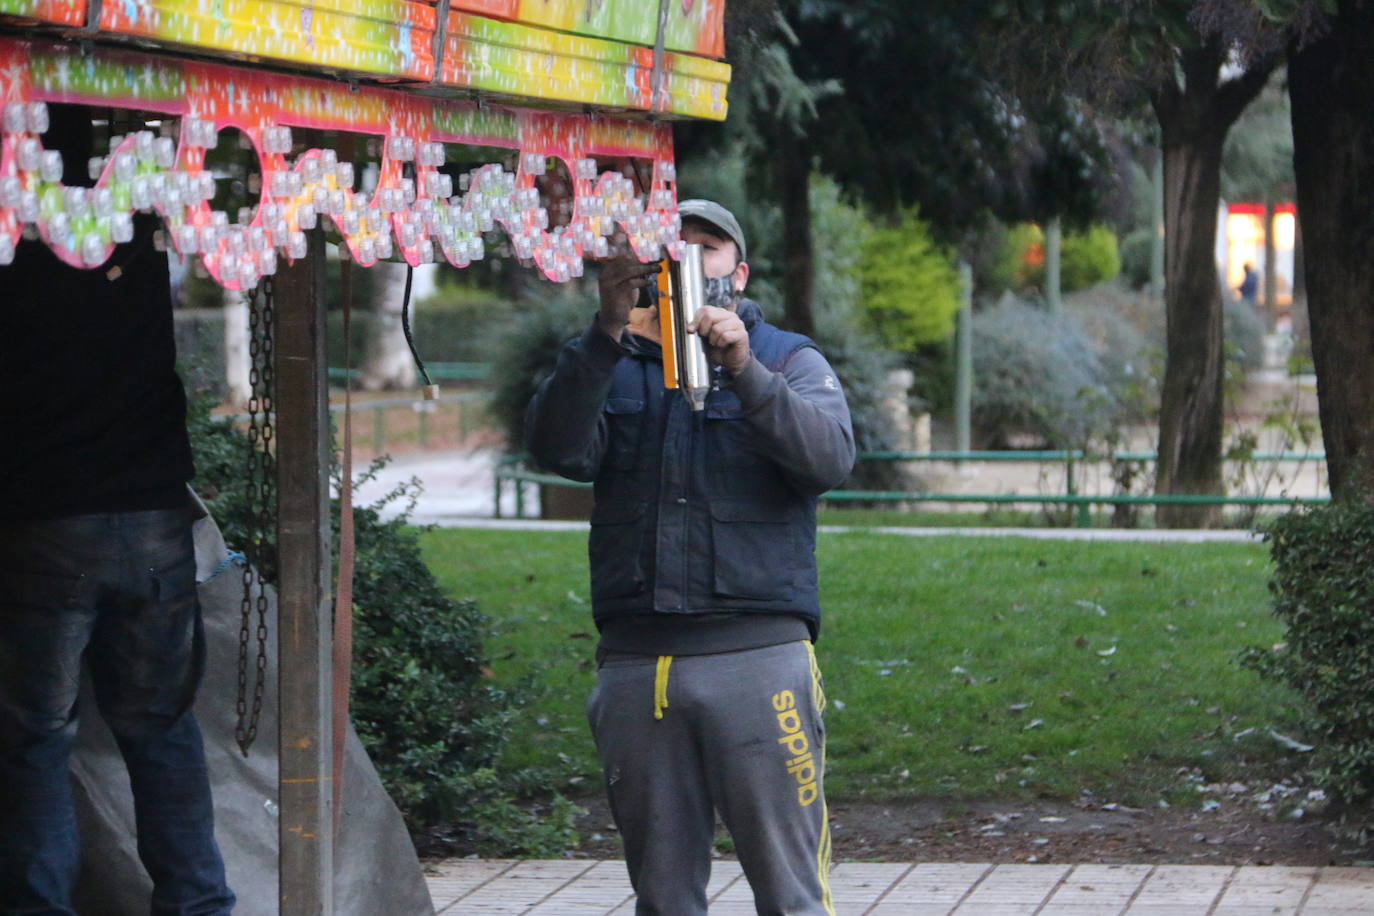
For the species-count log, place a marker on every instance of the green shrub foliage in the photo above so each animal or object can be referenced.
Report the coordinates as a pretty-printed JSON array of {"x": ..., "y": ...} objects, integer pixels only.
[
  {"x": 910, "y": 287},
  {"x": 430, "y": 718},
  {"x": 525, "y": 351},
  {"x": 1088, "y": 258},
  {"x": 1323, "y": 588},
  {"x": 1037, "y": 379},
  {"x": 1085, "y": 259}
]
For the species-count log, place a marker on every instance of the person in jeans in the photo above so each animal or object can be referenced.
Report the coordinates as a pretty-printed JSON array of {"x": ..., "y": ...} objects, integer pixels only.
[
  {"x": 703, "y": 579},
  {"x": 97, "y": 564}
]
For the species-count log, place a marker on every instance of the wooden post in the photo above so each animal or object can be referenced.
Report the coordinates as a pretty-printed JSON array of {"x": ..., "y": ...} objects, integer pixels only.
[{"x": 303, "y": 594}]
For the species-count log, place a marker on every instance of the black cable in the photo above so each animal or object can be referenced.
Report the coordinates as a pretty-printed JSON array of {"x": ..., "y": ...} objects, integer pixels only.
[{"x": 405, "y": 326}]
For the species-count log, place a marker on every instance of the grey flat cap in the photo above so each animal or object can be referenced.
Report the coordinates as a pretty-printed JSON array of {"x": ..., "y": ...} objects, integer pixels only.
[{"x": 711, "y": 212}]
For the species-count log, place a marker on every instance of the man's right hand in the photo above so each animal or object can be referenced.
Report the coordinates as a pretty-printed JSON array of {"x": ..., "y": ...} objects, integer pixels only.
[{"x": 620, "y": 284}]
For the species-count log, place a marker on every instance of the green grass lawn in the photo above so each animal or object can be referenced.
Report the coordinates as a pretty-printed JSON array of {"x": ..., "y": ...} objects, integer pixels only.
[{"x": 963, "y": 667}]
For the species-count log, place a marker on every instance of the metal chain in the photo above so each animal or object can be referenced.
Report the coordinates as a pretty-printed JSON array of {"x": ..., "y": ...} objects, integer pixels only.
[{"x": 261, "y": 471}]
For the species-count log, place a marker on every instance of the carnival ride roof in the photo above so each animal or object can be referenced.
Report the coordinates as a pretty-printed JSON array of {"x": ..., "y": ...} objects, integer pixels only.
[{"x": 608, "y": 55}]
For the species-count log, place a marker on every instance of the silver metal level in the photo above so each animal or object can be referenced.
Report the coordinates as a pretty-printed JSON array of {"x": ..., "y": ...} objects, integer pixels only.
[{"x": 689, "y": 292}]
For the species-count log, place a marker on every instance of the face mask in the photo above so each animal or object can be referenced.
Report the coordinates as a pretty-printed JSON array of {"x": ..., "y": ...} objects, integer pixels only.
[{"x": 720, "y": 292}]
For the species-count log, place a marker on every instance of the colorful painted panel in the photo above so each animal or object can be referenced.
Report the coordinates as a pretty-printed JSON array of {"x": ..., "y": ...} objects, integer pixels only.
[
  {"x": 385, "y": 38},
  {"x": 693, "y": 26},
  {"x": 60, "y": 12},
  {"x": 522, "y": 61},
  {"x": 420, "y": 218}
]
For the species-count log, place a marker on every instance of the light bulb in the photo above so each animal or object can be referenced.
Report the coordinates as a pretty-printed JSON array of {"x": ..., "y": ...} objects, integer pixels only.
[
  {"x": 12, "y": 122},
  {"x": 92, "y": 249},
  {"x": 121, "y": 228},
  {"x": 29, "y": 154},
  {"x": 36, "y": 117}
]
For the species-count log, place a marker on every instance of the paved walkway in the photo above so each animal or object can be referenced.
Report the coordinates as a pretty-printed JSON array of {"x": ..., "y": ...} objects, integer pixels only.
[
  {"x": 578, "y": 887},
  {"x": 458, "y": 492}
]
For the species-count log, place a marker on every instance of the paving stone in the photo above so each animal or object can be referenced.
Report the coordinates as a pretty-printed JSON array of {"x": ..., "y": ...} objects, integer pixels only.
[
  {"x": 1109, "y": 888},
  {"x": 1350, "y": 889},
  {"x": 1255, "y": 886},
  {"x": 597, "y": 890},
  {"x": 1196, "y": 886},
  {"x": 936, "y": 884},
  {"x": 1014, "y": 885},
  {"x": 451, "y": 880},
  {"x": 855, "y": 886}
]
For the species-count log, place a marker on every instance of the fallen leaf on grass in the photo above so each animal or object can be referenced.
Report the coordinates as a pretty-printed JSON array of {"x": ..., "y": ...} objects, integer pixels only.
[
  {"x": 1107, "y": 652},
  {"x": 1289, "y": 743},
  {"x": 1092, "y": 606}
]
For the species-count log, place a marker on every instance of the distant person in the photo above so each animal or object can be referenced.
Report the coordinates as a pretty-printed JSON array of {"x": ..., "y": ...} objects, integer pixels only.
[
  {"x": 703, "y": 579},
  {"x": 1249, "y": 285},
  {"x": 97, "y": 563}
]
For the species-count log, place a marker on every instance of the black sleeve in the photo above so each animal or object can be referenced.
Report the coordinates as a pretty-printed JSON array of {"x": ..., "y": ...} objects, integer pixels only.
[{"x": 565, "y": 430}]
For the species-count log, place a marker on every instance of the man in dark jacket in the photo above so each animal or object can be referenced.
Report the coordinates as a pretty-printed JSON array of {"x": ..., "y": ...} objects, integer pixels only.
[
  {"x": 97, "y": 563},
  {"x": 703, "y": 578}
]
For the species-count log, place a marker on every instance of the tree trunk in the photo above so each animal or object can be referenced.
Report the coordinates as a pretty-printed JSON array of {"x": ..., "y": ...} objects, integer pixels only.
[
  {"x": 798, "y": 251},
  {"x": 1331, "y": 84},
  {"x": 1194, "y": 119},
  {"x": 387, "y": 363},
  {"x": 1190, "y": 418}
]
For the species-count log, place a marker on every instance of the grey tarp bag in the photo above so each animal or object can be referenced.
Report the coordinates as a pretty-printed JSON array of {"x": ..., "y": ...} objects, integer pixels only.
[{"x": 375, "y": 866}]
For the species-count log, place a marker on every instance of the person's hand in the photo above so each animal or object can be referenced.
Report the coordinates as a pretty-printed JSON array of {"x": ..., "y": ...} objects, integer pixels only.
[
  {"x": 725, "y": 336},
  {"x": 620, "y": 283}
]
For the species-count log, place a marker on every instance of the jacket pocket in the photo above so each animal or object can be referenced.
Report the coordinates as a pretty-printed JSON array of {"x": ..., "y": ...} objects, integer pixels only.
[
  {"x": 755, "y": 550},
  {"x": 613, "y": 549},
  {"x": 624, "y": 429}
]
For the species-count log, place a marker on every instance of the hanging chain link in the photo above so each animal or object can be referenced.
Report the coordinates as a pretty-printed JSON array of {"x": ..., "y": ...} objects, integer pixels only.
[{"x": 261, "y": 470}]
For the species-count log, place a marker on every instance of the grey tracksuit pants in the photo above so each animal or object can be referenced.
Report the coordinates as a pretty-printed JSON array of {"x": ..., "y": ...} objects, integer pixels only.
[{"x": 736, "y": 732}]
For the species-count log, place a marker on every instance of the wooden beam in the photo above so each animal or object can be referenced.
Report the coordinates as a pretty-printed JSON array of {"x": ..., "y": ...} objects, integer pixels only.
[{"x": 303, "y": 592}]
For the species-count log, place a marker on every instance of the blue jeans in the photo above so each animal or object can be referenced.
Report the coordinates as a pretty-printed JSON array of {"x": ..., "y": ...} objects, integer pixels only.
[{"x": 119, "y": 589}]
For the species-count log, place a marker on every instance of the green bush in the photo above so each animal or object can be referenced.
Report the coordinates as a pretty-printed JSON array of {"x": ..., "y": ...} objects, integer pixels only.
[
  {"x": 1136, "y": 250},
  {"x": 1243, "y": 334},
  {"x": 1037, "y": 379},
  {"x": 525, "y": 350},
  {"x": 910, "y": 288},
  {"x": 1085, "y": 259},
  {"x": 421, "y": 701},
  {"x": 1020, "y": 260},
  {"x": 1323, "y": 588},
  {"x": 1088, "y": 258}
]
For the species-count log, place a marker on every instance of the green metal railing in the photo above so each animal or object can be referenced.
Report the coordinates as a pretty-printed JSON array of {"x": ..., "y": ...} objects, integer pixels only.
[
  {"x": 449, "y": 372},
  {"x": 511, "y": 469},
  {"x": 464, "y": 419}
]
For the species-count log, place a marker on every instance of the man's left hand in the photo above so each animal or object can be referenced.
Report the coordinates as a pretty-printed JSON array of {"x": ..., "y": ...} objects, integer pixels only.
[{"x": 726, "y": 338}]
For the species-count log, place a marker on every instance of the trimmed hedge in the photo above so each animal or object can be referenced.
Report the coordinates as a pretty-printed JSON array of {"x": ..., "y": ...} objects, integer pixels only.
[
  {"x": 1323, "y": 588},
  {"x": 423, "y": 706}
]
